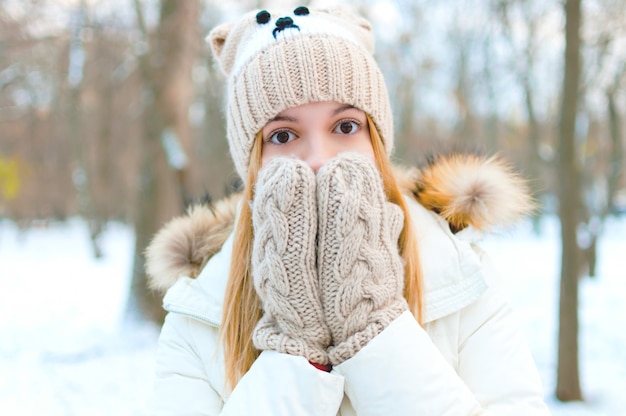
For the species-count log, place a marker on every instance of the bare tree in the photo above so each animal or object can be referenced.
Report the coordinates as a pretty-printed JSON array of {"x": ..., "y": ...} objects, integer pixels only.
[
  {"x": 81, "y": 177},
  {"x": 404, "y": 69},
  {"x": 568, "y": 382},
  {"x": 603, "y": 76},
  {"x": 616, "y": 150},
  {"x": 466, "y": 124},
  {"x": 492, "y": 121},
  {"x": 523, "y": 64},
  {"x": 165, "y": 67},
  {"x": 614, "y": 166}
]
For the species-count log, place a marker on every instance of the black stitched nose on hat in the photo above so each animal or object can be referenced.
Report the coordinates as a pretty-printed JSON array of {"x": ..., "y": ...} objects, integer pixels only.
[{"x": 282, "y": 24}]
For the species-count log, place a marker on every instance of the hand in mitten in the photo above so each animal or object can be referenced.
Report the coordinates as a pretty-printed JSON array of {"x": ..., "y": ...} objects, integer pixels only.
[
  {"x": 284, "y": 218},
  {"x": 359, "y": 266}
]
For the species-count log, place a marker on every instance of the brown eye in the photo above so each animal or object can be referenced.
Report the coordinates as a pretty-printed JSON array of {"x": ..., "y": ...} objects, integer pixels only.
[
  {"x": 282, "y": 137},
  {"x": 347, "y": 127}
]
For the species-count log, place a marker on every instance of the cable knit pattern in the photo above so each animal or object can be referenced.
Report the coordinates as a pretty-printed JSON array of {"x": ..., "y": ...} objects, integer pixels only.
[
  {"x": 359, "y": 266},
  {"x": 284, "y": 219}
]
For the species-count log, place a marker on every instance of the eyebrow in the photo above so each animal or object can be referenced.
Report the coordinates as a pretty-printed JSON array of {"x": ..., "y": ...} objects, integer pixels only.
[
  {"x": 283, "y": 118},
  {"x": 342, "y": 109}
]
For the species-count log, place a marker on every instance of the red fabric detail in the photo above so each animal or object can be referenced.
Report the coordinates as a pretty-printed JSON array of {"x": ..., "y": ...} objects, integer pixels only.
[{"x": 323, "y": 367}]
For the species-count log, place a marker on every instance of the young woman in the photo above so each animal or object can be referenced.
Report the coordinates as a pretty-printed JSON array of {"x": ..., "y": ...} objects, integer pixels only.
[{"x": 334, "y": 284}]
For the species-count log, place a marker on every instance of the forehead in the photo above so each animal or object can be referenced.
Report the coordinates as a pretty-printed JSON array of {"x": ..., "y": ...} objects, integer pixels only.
[
  {"x": 316, "y": 110},
  {"x": 259, "y": 36}
]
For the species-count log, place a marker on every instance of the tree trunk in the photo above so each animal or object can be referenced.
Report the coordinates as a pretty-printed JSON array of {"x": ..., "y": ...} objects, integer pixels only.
[
  {"x": 493, "y": 118},
  {"x": 616, "y": 151},
  {"x": 524, "y": 68},
  {"x": 568, "y": 382},
  {"x": 615, "y": 165},
  {"x": 465, "y": 125},
  {"x": 533, "y": 160},
  {"x": 166, "y": 74},
  {"x": 81, "y": 175}
]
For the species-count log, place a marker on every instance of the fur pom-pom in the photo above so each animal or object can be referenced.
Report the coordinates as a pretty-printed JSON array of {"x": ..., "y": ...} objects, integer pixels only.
[
  {"x": 184, "y": 245},
  {"x": 472, "y": 190}
]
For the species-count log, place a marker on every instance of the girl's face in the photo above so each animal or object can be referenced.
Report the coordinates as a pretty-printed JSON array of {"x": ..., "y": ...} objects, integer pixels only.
[{"x": 316, "y": 132}]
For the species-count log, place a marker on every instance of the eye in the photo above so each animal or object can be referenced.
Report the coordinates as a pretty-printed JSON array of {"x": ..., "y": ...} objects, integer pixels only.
[
  {"x": 301, "y": 11},
  {"x": 347, "y": 127},
  {"x": 263, "y": 17},
  {"x": 281, "y": 137}
]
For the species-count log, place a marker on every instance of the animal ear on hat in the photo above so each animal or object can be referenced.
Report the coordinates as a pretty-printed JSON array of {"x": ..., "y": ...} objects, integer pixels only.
[
  {"x": 217, "y": 38},
  {"x": 347, "y": 14},
  {"x": 362, "y": 25}
]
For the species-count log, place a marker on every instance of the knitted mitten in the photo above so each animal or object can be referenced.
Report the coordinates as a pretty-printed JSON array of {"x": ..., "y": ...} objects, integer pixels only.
[
  {"x": 359, "y": 266},
  {"x": 284, "y": 218}
]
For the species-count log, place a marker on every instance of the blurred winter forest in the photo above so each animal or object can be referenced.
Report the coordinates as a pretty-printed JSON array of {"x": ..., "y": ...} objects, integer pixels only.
[{"x": 112, "y": 110}]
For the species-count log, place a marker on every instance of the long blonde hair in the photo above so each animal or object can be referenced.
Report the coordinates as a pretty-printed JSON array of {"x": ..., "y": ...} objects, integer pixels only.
[{"x": 242, "y": 307}]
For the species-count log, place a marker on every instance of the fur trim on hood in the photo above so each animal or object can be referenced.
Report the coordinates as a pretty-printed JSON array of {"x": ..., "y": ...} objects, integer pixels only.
[
  {"x": 466, "y": 190},
  {"x": 471, "y": 190},
  {"x": 184, "y": 245}
]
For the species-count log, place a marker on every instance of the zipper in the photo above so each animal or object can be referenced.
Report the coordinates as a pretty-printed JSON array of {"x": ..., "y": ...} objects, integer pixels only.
[{"x": 188, "y": 313}]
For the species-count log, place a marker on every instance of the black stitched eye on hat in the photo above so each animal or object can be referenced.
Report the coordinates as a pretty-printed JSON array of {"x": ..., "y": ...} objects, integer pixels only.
[
  {"x": 301, "y": 11},
  {"x": 263, "y": 17}
]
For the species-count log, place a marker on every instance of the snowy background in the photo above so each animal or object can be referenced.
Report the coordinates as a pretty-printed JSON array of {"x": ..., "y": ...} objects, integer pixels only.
[{"x": 64, "y": 349}]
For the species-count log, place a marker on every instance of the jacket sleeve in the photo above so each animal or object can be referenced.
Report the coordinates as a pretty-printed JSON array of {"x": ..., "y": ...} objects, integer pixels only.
[
  {"x": 281, "y": 384},
  {"x": 181, "y": 384},
  {"x": 276, "y": 384},
  {"x": 402, "y": 372},
  {"x": 494, "y": 359}
]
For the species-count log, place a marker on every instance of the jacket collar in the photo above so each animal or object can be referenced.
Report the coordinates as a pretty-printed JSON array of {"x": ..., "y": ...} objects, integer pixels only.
[
  {"x": 452, "y": 274},
  {"x": 202, "y": 298}
]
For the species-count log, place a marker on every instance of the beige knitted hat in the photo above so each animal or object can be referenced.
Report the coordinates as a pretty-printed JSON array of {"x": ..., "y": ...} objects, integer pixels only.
[{"x": 276, "y": 61}]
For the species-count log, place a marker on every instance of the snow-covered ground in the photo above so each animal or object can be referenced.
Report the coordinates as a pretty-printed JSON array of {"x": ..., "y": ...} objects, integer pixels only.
[
  {"x": 532, "y": 265},
  {"x": 64, "y": 349}
]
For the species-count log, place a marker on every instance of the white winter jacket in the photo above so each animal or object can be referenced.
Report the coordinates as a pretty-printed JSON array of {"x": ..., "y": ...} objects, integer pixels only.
[{"x": 469, "y": 357}]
